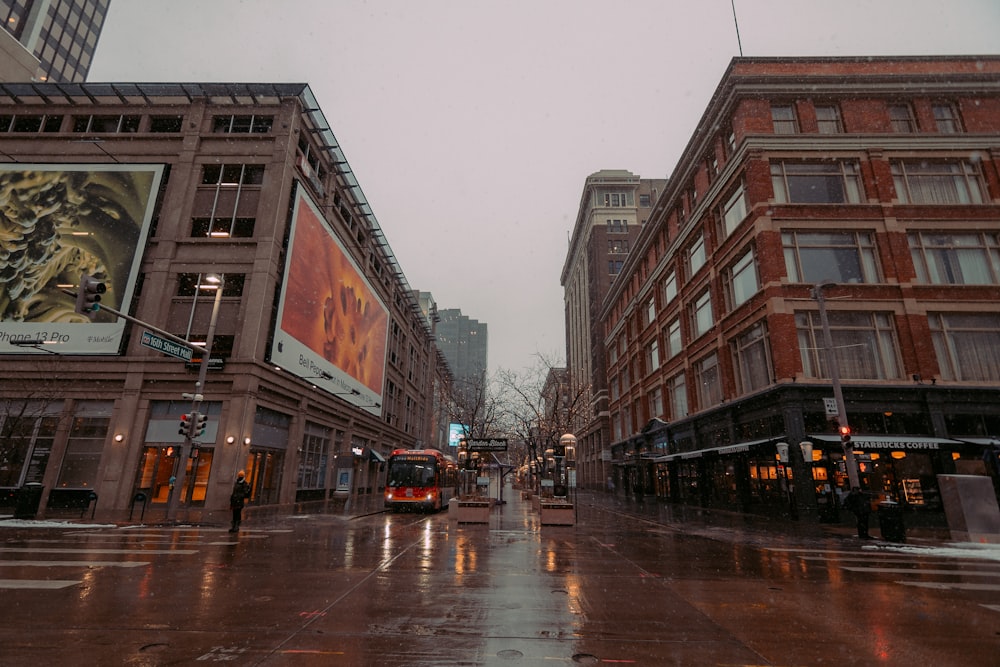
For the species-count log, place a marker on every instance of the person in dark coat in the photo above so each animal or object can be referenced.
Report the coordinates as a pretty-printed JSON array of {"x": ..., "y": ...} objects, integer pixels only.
[
  {"x": 241, "y": 491},
  {"x": 858, "y": 504}
]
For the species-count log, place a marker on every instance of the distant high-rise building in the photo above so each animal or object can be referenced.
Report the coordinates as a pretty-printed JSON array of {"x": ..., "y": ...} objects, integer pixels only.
[
  {"x": 62, "y": 34},
  {"x": 463, "y": 341},
  {"x": 614, "y": 207}
]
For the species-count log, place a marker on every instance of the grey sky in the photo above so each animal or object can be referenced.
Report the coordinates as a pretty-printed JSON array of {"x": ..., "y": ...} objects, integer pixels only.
[{"x": 471, "y": 125}]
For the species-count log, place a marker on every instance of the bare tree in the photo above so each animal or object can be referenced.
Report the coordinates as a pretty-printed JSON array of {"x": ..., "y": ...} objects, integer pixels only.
[{"x": 543, "y": 404}]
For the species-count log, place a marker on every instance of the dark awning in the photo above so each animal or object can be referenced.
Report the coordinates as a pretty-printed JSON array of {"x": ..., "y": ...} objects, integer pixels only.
[
  {"x": 375, "y": 456},
  {"x": 727, "y": 449}
]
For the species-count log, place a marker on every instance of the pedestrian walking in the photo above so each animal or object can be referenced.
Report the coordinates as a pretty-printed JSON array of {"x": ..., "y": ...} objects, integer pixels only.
[
  {"x": 858, "y": 504},
  {"x": 241, "y": 491}
]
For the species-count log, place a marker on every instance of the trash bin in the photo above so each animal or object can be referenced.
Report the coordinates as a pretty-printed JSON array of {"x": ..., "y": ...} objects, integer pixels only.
[
  {"x": 28, "y": 498},
  {"x": 890, "y": 521}
]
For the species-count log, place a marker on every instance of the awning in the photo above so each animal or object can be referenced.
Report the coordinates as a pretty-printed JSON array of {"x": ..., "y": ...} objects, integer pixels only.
[
  {"x": 375, "y": 456},
  {"x": 889, "y": 441},
  {"x": 985, "y": 442},
  {"x": 722, "y": 451}
]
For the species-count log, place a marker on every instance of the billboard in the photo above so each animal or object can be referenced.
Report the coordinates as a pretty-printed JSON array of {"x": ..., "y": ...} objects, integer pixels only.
[
  {"x": 56, "y": 222},
  {"x": 332, "y": 328},
  {"x": 455, "y": 433}
]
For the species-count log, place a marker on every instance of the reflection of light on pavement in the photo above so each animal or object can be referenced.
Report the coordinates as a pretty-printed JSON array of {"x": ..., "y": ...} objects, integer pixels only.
[
  {"x": 465, "y": 556},
  {"x": 387, "y": 542}
]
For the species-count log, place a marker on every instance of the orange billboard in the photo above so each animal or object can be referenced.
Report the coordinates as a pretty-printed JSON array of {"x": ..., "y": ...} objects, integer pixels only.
[{"x": 332, "y": 326}]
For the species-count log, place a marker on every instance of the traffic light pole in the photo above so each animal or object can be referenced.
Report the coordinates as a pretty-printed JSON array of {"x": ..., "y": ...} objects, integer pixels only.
[
  {"x": 180, "y": 465},
  {"x": 838, "y": 393}
]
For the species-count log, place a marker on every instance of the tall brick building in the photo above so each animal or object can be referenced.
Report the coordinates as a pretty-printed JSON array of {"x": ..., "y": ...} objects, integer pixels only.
[{"x": 875, "y": 179}]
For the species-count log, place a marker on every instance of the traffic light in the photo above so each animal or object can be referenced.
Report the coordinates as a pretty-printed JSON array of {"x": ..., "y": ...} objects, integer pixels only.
[
  {"x": 187, "y": 419},
  {"x": 88, "y": 295},
  {"x": 200, "y": 424},
  {"x": 845, "y": 434}
]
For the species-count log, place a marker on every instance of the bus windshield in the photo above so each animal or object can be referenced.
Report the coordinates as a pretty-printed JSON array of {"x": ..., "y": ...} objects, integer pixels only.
[{"x": 411, "y": 473}]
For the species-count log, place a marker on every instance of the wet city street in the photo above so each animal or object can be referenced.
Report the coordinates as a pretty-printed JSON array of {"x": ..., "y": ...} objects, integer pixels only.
[{"x": 619, "y": 588}]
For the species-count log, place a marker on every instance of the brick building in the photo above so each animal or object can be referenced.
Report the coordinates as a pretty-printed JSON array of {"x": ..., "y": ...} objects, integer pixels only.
[
  {"x": 613, "y": 208},
  {"x": 875, "y": 181},
  {"x": 321, "y": 363}
]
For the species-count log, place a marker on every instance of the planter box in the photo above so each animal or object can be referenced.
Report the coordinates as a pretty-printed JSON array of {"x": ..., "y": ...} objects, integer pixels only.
[
  {"x": 558, "y": 514},
  {"x": 473, "y": 511}
]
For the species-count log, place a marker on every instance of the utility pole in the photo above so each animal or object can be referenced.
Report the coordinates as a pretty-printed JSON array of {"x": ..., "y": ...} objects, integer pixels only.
[
  {"x": 831, "y": 363},
  {"x": 180, "y": 465}
]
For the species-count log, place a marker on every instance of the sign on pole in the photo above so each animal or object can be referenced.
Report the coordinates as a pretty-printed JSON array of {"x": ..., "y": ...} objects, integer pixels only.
[
  {"x": 487, "y": 445},
  {"x": 831, "y": 407},
  {"x": 160, "y": 344}
]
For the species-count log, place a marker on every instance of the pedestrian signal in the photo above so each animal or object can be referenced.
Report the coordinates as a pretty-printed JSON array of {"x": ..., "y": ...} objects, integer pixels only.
[{"x": 88, "y": 295}]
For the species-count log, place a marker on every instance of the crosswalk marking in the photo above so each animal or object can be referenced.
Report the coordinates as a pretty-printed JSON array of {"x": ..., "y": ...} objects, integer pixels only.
[
  {"x": 50, "y": 584},
  {"x": 940, "y": 585},
  {"x": 72, "y": 563},
  {"x": 139, "y": 552},
  {"x": 908, "y": 570}
]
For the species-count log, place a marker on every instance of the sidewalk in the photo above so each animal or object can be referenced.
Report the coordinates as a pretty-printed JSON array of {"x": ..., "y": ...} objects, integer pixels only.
[{"x": 750, "y": 527}]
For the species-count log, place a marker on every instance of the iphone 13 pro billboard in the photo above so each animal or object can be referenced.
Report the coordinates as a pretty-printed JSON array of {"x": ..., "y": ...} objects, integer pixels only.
[{"x": 58, "y": 221}]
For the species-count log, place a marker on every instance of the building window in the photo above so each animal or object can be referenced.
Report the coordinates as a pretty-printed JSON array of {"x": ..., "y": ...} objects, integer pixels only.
[
  {"x": 656, "y": 403},
  {"x": 730, "y": 143},
  {"x": 313, "y": 455},
  {"x": 946, "y": 118},
  {"x": 674, "y": 344},
  {"x": 106, "y": 124},
  {"x": 733, "y": 210},
  {"x": 677, "y": 391},
  {"x": 617, "y": 246},
  {"x": 816, "y": 182},
  {"x": 707, "y": 381},
  {"x": 617, "y": 425},
  {"x": 701, "y": 314},
  {"x": 651, "y": 310},
  {"x": 901, "y": 118},
  {"x": 956, "y": 259},
  {"x": 670, "y": 287},
  {"x": 614, "y": 266},
  {"x": 843, "y": 257},
  {"x": 864, "y": 345},
  {"x": 232, "y": 174},
  {"x": 939, "y": 182},
  {"x": 741, "y": 280},
  {"x": 752, "y": 359},
  {"x": 618, "y": 199},
  {"x": 653, "y": 356},
  {"x": 222, "y": 228},
  {"x": 645, "y": 201},
  {"x": 191, "y": 284},
  {"x": 828, "y": 119},
  {"x": 967, "y": 345},
  {"x": 30, "y": 123},
  {"x": 696, "y": 255},
  {"x": 242, "y": 124},
  {"x": 83, "y": 450},
  {"x": 783, "y": 119},
  {"x": 166, "y": 124},
  {"x": 617, "y": 226}
]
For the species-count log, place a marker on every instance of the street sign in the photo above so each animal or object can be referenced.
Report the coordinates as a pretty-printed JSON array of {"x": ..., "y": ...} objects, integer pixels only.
[
  {"x": 831, "y": 407},
  {"x": 160, "y": 344},
  {"x": 487, "y": 445}
]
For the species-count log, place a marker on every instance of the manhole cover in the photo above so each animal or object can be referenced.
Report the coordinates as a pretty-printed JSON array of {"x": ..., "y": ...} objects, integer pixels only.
[
  {"x": 510, "y": 654},
  {"x": 585, "y": 659}
]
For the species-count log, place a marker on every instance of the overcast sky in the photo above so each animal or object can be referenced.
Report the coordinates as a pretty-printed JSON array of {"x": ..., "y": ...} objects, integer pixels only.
[{"x": 471, "y": 125}]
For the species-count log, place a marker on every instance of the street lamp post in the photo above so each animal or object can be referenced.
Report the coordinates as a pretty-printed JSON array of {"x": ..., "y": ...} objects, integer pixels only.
[
  {"x": 838, "y": 394},
  {"x": 180, "y": 465}
]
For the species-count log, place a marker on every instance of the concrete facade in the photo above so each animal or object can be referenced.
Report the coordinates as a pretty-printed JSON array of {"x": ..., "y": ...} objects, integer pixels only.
[{"x": 242, "y": 167}]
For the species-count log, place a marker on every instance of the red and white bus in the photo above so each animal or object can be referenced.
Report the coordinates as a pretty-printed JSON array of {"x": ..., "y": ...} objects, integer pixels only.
[{"x": 420, "y": 479}]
